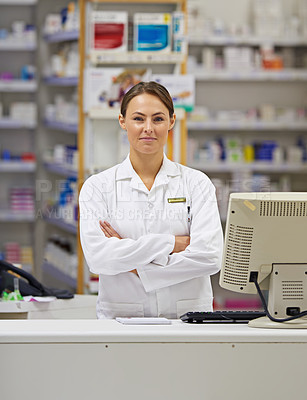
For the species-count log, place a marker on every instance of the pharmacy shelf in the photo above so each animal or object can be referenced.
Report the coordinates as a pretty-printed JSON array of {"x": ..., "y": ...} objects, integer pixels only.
[
  {"x": 244, "y": 40},
  {"x": 62, "y": 36},
  {"x": 8, "y": 123},
  {"x": 60, "y": 169},
  {"x": 60, "y": 223},
  {"x": 285, "y": 75},
  {"x": 246, "y": 126},
  {"x": 61, "y": 126},
  {"x": 18, "y": 86},
  {"x": 64, "y": 81},
  {"x": 113, "y": 113},
  {"x": 17, "y": 166},
  {"x": 58, "y": 274},
  {"x": 13, "y": 45},
  {"x": 17, "y": 2},
  {"x": 269, "y": 167},
  {"x": 133, "y": 57},
  {"x": 9, "y": 216}
]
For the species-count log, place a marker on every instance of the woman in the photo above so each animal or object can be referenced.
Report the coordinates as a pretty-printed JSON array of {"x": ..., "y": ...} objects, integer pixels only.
[{"x": 150, "y": 227}]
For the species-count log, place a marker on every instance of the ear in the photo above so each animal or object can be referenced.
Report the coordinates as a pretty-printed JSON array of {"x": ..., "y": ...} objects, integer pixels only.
[
  {"x": 172, "y": 122},
  {"x": 121, "y": 121}
]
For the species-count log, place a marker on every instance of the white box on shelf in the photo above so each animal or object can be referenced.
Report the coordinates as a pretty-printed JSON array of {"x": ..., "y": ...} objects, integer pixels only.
[
  {"x": 24, "y": 111},
  {"x": 53, "y": 24},
  {"x": 181, "y": 88},
  {"x": 108, "y": 30}
]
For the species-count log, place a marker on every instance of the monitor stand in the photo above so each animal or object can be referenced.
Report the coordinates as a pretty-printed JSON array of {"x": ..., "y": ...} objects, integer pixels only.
[{"x": 265, "y": 322}]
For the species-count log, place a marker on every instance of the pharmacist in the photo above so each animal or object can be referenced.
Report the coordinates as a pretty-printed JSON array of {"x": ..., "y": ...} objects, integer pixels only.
[{"x": 150, "y": 227}]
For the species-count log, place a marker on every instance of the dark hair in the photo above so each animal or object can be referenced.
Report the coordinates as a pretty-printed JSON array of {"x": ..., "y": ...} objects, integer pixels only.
[{"x": 153, "y": 88}]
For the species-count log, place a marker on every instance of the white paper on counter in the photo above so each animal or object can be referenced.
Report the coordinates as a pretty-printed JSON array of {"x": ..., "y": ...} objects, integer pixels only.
[
  {"x": 143, "y": 321},
  {"x": 39, "y": 299}
]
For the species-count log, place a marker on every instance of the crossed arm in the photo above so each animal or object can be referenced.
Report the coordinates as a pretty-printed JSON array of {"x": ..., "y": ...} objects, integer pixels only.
[{"x": 181, "y": 242}]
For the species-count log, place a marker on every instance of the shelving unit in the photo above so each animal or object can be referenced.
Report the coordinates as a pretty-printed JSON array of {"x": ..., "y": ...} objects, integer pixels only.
[
  {"x": 66, "y": 81},
  {"x": 17, "y": 166},
  {"x": 7, "y": 216},
  {"x": 132, "y": 57},
  {"x": 61, "y": 224},
  {"x": 239, "y": 89},
  {"x": 8, "y": 123},
  {"x": 18, "y": 86},
  {"x": 60, "y": 169},
  {"x": 17, "y": 225},
  {"x": 10, "y": 45},
  {"x": 18, "y": 2},
  {"x": 244, "y": 40},
  {"x": 285, "y": 75},
  {"x": 258, "y": 126},
  {"x": 62, "y": 126},
  {"x": 265, "y": 167},
  {"x": 55, "y": 131},
  {"x": 60, "y": 37}
]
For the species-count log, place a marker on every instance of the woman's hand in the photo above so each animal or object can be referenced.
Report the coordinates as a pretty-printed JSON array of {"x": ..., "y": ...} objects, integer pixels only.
[
  {"x": 181, "y": 243},
  {"x": 108, "y": 230}
]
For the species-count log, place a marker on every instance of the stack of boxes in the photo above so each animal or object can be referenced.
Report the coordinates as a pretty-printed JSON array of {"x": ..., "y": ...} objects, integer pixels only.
[
  {"x": 22, "y": 200},
  {"x": 238, "y": 58},
  {"x": 268, "y": 18},
  {"x": 25, "y": 112},
  {"x": 14, "y": 253}
]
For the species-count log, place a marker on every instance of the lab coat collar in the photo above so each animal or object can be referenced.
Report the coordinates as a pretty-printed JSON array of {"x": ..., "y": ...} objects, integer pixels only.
[
  {"x": 126, "y": 171},
  {"x": 169, "y": 168}
]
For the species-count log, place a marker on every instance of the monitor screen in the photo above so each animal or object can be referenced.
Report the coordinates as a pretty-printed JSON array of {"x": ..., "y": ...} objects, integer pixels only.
[{"x": 266, "y": 242}]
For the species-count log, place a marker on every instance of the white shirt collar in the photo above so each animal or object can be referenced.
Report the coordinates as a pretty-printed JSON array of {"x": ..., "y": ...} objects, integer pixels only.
[{"x": 125, "y": 169}]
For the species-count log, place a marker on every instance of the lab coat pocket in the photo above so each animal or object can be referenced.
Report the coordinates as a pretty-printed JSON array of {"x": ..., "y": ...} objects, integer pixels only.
[
  {"x": 179, "y": 219},
  {"x": 113, "y": 310},
  {"x": 184, "y": 306}
]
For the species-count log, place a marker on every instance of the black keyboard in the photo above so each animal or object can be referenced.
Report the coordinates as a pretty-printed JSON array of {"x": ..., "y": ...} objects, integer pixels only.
[{"x": 221, "y": 317}]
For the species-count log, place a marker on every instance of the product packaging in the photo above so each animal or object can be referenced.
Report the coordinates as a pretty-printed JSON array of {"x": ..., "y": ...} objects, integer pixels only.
[
  {"x": 53, "y": 24},
  {"x": 22, "y": 200},
  {"x": 238, "y": 58},
  {"x": 181, "y": 88},
  {"x": 109, "y": 30},
  {"x": 180, "y": 44},
  {"x": 105, "y": 87},
  {"x": 152, "y": 32},
  {"x": 24, "y": 111}
]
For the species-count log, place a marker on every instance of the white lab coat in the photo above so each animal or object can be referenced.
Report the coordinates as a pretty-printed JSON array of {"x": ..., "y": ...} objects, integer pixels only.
[{"x": 168, "y": 284}]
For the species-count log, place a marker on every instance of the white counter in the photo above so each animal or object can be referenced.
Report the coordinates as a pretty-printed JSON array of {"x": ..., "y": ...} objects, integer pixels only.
[
  {"x": 80, "y": 359},
  {"x": 111, "y": 331}
]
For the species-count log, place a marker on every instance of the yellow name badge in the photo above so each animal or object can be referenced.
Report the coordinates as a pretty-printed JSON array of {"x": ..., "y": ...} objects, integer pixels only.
[{"x": 177, "y": 200}]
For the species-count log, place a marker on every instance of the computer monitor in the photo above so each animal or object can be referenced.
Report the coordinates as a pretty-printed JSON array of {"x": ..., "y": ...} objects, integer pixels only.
[{"x": 266, "y": 249}]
